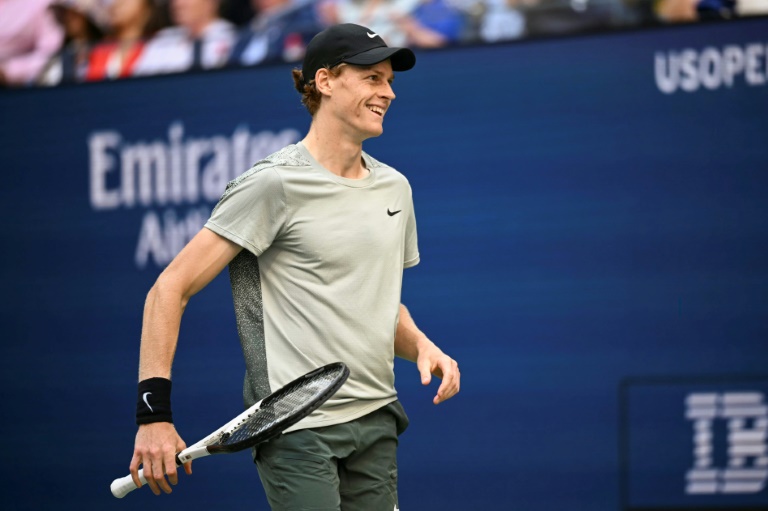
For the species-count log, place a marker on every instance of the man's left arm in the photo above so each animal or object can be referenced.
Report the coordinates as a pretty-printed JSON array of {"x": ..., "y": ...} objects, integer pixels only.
[{"x": 412, "y": 344}]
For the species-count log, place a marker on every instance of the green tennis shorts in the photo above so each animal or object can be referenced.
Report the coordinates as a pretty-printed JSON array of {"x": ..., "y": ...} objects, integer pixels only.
[{"x": 350, "y": 466}]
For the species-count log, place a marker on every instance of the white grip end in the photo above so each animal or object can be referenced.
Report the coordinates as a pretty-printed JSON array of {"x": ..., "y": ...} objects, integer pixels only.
[{"x": 125, "y": 485}]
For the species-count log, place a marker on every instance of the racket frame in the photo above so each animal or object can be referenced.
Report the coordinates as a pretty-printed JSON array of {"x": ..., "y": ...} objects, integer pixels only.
[{"x": 200, "y": 449}]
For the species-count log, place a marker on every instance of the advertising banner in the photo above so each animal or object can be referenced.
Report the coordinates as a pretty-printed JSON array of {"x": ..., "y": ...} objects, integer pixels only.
[{"x": 593, "y": 232}]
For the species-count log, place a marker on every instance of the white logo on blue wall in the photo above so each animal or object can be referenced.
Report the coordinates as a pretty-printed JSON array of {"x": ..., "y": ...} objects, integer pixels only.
[
  {"x": 746, "y": 417},
  {"x": 182, "y": 174},
  {"x": 711, "y": 68}
]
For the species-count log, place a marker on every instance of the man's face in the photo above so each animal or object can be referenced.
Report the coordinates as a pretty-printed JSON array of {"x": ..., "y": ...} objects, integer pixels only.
[{"x": 361, "y": 97}]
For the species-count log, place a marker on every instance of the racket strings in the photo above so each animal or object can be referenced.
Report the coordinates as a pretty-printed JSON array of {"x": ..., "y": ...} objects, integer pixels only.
[{"x": 289, "y": 402}]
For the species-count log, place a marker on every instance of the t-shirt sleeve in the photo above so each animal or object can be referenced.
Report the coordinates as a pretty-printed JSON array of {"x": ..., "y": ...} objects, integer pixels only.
[
  {"x": 411, "y": 257},
  {"x": 252, "y": 211}
]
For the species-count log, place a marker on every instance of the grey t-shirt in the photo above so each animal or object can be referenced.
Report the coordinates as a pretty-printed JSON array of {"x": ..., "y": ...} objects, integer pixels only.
[{"x": 320, "y": 278}]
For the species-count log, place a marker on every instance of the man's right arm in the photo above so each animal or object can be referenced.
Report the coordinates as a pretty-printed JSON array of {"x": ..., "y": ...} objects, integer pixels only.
[{"x": 204, "y": 257}]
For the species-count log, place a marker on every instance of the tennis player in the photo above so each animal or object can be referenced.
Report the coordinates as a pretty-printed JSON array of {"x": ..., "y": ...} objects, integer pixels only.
[{"x": 316, "y": 237}]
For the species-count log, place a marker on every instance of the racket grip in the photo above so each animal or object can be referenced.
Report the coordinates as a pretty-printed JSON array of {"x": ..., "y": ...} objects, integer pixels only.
[{"x": 125, "y": 485}]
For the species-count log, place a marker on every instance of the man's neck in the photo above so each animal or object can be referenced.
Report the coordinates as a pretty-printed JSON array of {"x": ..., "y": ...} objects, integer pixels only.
[{"x": 337, "y": 153}]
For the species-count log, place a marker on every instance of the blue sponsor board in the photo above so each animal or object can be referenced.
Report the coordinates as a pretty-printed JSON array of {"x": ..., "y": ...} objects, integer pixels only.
[
  {"x": 695, "y": 444},
  {"x": 588, "y": 209}
]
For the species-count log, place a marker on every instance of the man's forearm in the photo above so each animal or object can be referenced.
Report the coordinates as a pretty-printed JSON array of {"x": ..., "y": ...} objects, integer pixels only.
[
  {"x": 160, "y": 331},
  {"x": 190, "y": 271},
  {"x": 409, "y": 340}
]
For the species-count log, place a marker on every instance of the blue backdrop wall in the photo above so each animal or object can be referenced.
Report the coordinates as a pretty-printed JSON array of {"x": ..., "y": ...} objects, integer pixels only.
[{"x": 594, "y": 238}]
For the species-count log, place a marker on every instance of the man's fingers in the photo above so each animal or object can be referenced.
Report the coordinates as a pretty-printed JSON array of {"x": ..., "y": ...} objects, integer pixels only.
[
  {"x": 155, "y": 472},
  {"x": 149, "y": 475},
  {"x": 170, "y": 468},
  {"x": 134, "y": 469},
  {"x": 158, "y": 476},
  {"x": 450, "y": 385},
  {"x": 443, "y": 392},
  {"x": 445, "y": 368},
  {"x": 426, "y": 372},
  {"x": 180, "y": 446}
]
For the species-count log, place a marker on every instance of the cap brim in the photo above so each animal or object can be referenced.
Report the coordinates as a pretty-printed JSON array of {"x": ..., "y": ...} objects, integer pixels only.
[{"x": 402, "y": 59}]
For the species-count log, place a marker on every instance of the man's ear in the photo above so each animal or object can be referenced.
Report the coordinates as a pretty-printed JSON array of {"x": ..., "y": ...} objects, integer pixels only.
[{"x": 323, "y": 81}]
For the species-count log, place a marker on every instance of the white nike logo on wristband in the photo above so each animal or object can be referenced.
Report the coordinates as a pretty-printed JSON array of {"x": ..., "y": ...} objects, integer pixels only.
[{"x": 147, "y": 402}]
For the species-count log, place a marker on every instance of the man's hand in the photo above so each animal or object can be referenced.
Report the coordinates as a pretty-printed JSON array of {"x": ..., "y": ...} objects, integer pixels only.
[
  {"x": 411, "y": 344},
  {"x": 156, "y": 447},
  {"x": 432, "y": 361}
]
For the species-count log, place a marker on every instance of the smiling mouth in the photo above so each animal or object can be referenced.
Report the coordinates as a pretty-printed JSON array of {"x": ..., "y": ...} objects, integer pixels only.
[{"x": 377, "y": 110}]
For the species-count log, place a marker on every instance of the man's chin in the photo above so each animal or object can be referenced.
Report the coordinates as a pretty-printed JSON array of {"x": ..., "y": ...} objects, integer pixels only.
[{"x": 373, "y": 134}]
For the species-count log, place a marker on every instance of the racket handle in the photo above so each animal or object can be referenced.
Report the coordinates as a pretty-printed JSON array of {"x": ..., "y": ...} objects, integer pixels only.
[{"x": 125, "y": 485}]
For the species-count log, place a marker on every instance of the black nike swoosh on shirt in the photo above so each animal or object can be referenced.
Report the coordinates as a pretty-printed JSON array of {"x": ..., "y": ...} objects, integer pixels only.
[{"x": 393, "y": 213}]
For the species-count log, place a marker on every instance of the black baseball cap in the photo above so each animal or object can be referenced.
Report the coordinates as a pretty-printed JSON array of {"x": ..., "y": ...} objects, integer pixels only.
[{"x": 352, "y": 44}]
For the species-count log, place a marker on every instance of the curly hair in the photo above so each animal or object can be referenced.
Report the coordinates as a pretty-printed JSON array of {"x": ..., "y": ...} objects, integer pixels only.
[{"x": 310, "y": 96}]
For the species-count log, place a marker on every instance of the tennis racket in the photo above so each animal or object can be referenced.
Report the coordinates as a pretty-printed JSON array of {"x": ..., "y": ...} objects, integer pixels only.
[{"x": 262, "y": 421}]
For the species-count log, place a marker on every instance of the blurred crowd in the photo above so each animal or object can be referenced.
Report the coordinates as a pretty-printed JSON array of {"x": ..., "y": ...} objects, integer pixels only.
[{"x": 49, "y": 42}]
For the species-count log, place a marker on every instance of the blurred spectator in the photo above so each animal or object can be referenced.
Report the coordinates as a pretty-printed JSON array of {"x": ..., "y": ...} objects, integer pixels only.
[
  {"x": 502, "y": 20},
  {"x": 752, "y": 7},
  {"x": 280, "y": 30},
  {"x": 676, "y": 11},
  {"x": 684, "y": 11},
  {"x": 132, "y": 23},
  {"x": 557, "y": 17},
  {"x": 433, "y": 23},
  {"x": 239, "y": 12},
  {"x": 201, "y": 40},
  {"x": 716, "y": 9},
  {"x": 422, "y": 23},
  {"x": 29, "y": 37},
  {"x": 84, "y": 22},
  {"x": 383, "y": 17}
]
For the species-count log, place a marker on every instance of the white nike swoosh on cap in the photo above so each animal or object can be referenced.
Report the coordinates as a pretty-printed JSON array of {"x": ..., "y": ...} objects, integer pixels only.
[{"x": 371, "y": 35}]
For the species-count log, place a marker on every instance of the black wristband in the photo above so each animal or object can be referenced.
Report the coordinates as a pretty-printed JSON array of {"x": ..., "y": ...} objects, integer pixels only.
[{"x": 154, "y": 401}]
